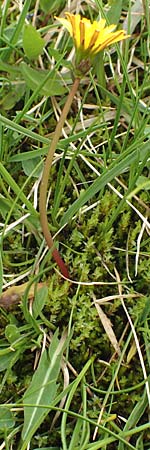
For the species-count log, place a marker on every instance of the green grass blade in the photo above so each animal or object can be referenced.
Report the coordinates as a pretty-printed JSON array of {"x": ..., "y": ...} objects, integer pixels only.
[
  {"x": 24, "y": 131},
  {"x": 107, "y": 176},
  {"x": 17, "y": 31},
  {"x": 9, "y": 180},
  {"x": 135, "y": 415},
  {"x": 70, "y": 396}
]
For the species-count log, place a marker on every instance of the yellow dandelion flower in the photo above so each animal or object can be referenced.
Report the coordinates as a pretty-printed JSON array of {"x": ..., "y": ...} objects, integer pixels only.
[{"x": 90, "y": 38}]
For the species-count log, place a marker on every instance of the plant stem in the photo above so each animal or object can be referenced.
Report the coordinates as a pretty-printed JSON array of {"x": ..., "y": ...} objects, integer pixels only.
[{"x": 45, "y": 177}]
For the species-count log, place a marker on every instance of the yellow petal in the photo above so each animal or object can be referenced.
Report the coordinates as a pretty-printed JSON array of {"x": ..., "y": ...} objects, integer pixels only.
[
  {"x": 94, "y": 39},
  {"x": 82, "y": 33},
  {"x": 76, "y": 30},
  {"x": 65, "y": 24},
  {"x": 100, "y": 24},
  {"x": 89, "y": 31},
  {"x": 110, "y": 39},
  {"x": 74, "y": 22},
  {"x": 109, "y": 29}
]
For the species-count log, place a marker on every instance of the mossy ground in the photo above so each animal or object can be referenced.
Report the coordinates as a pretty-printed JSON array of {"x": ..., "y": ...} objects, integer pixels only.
[{"x": 91, "y": 254}]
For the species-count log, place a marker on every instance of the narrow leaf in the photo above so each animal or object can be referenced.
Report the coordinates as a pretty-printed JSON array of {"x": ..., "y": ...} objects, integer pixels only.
[
  {"x": 108, "y": 328},
  {"x": 40, "y": 300},
  {"x": 47, "y": 448},
  {"x": 42, "y": 389},
  {"x": 135, "y": 416}
]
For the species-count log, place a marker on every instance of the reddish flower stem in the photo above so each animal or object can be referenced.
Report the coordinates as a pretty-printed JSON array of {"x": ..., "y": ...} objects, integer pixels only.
[{"x": 45, "y": 177}]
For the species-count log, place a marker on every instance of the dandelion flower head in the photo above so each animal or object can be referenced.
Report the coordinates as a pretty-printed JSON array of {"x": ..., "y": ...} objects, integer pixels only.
[{"x": 90, "y": 38}]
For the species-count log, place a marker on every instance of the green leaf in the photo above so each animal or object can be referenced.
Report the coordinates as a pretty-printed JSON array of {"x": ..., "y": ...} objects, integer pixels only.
[
  {"x": 40, "y": 300},
  {"x": 12, "y": 333},
  {"x": 14, "y": 186},
  {"x": 12, "y": 69},
  {"x": 15, "y": 93},
  {"x": 33, "y": 44},
  {"x": 47, "y": 448},
  {"x": 6, "y": 418},
  {"x": 136, "y": 414},
  {"x": 5, "y": 360},
  {"x": 76, "y": 435},
  {"x": 49, "y": 6},
  {"x": 22, "y": 130},
  {"x": 1, "y": 267},
  {"x": 146, "y": 311},
  {"x": 53, "y": 52},
  {"x": 42, "y": 389},
  {"x": 30, "y": 164},
  {"x": 5, "y": 206},
  {"x": 34, "y": 78},
  {"x": 114, "y": 12},
  {"x": 16, "y": 31},
  {"x": 143, "y": 183}
]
